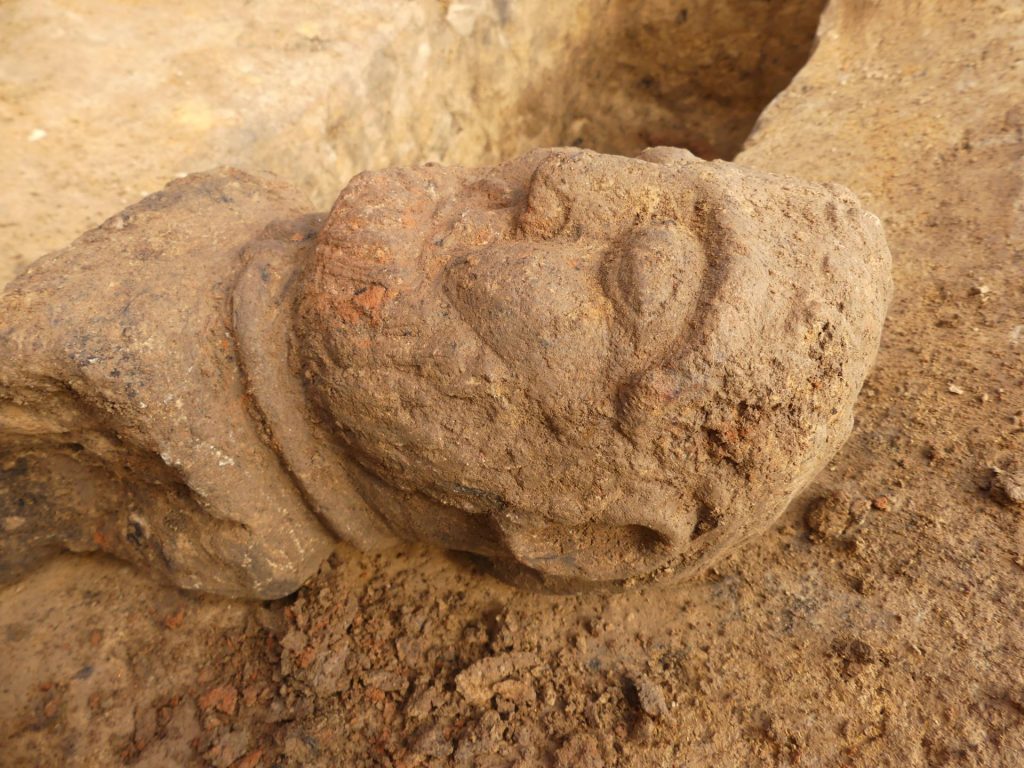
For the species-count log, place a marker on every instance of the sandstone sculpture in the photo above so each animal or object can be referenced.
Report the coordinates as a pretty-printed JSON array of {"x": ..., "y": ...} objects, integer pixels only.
[{"x": 588, "y": 368}]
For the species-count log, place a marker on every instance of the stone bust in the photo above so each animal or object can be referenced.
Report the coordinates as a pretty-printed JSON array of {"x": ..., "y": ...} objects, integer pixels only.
[{"x": 590, "y": 369}]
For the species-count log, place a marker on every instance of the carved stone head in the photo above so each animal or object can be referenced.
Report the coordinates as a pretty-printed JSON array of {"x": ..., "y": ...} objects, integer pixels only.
[{"x": 590, "y": 368}]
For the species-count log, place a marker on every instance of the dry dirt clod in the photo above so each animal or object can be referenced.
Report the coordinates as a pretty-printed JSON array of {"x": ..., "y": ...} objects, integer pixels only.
[
  {"x": 251, "y": 760},
  {"x": 1007, "y": 487},
  {"x": 508, "y": 675},
  {"x": 829, "y": 516},
  {"x": 229, "y": 749},
  {"x": 651, "y": 697},
  {"x": 223, "y": 698}
]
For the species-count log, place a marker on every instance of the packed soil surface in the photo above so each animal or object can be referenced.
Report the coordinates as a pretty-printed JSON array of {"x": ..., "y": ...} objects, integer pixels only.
[
  {"x": 104, "y": 102},
  {"x": 878, "y": 624}
]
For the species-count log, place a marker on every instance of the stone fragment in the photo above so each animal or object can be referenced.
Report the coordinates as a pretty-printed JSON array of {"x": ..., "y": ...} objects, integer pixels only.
[
  {"x": 591, "y": 369},
  {"x": 126, "y": 424}
]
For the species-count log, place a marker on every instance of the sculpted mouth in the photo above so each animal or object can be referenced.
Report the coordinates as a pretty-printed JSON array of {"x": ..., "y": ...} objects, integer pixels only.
[{"x": 593, "y": 552}]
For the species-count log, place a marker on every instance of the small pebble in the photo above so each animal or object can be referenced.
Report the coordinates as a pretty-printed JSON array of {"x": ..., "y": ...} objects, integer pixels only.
[{"x": 651, "y": 696}]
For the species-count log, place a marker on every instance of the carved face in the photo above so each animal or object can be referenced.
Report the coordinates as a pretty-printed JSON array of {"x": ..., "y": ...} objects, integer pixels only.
[{"x": 595, "y": 367}]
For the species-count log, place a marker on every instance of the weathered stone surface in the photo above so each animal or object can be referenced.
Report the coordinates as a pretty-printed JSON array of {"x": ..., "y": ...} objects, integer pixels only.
[
  {"x": 125, "y": 424},
  {"x": 592, "y": 366},
  {"x": 588, "y": 368}
]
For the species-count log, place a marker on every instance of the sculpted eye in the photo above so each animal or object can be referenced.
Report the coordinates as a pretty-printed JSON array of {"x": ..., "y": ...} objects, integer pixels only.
[{"x": 533, "y": 304}]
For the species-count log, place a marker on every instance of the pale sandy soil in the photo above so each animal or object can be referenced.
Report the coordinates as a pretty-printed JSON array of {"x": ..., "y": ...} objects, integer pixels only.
[
  {"x": 878, "y": 624},
  {"x": 104, "y": 102}
]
